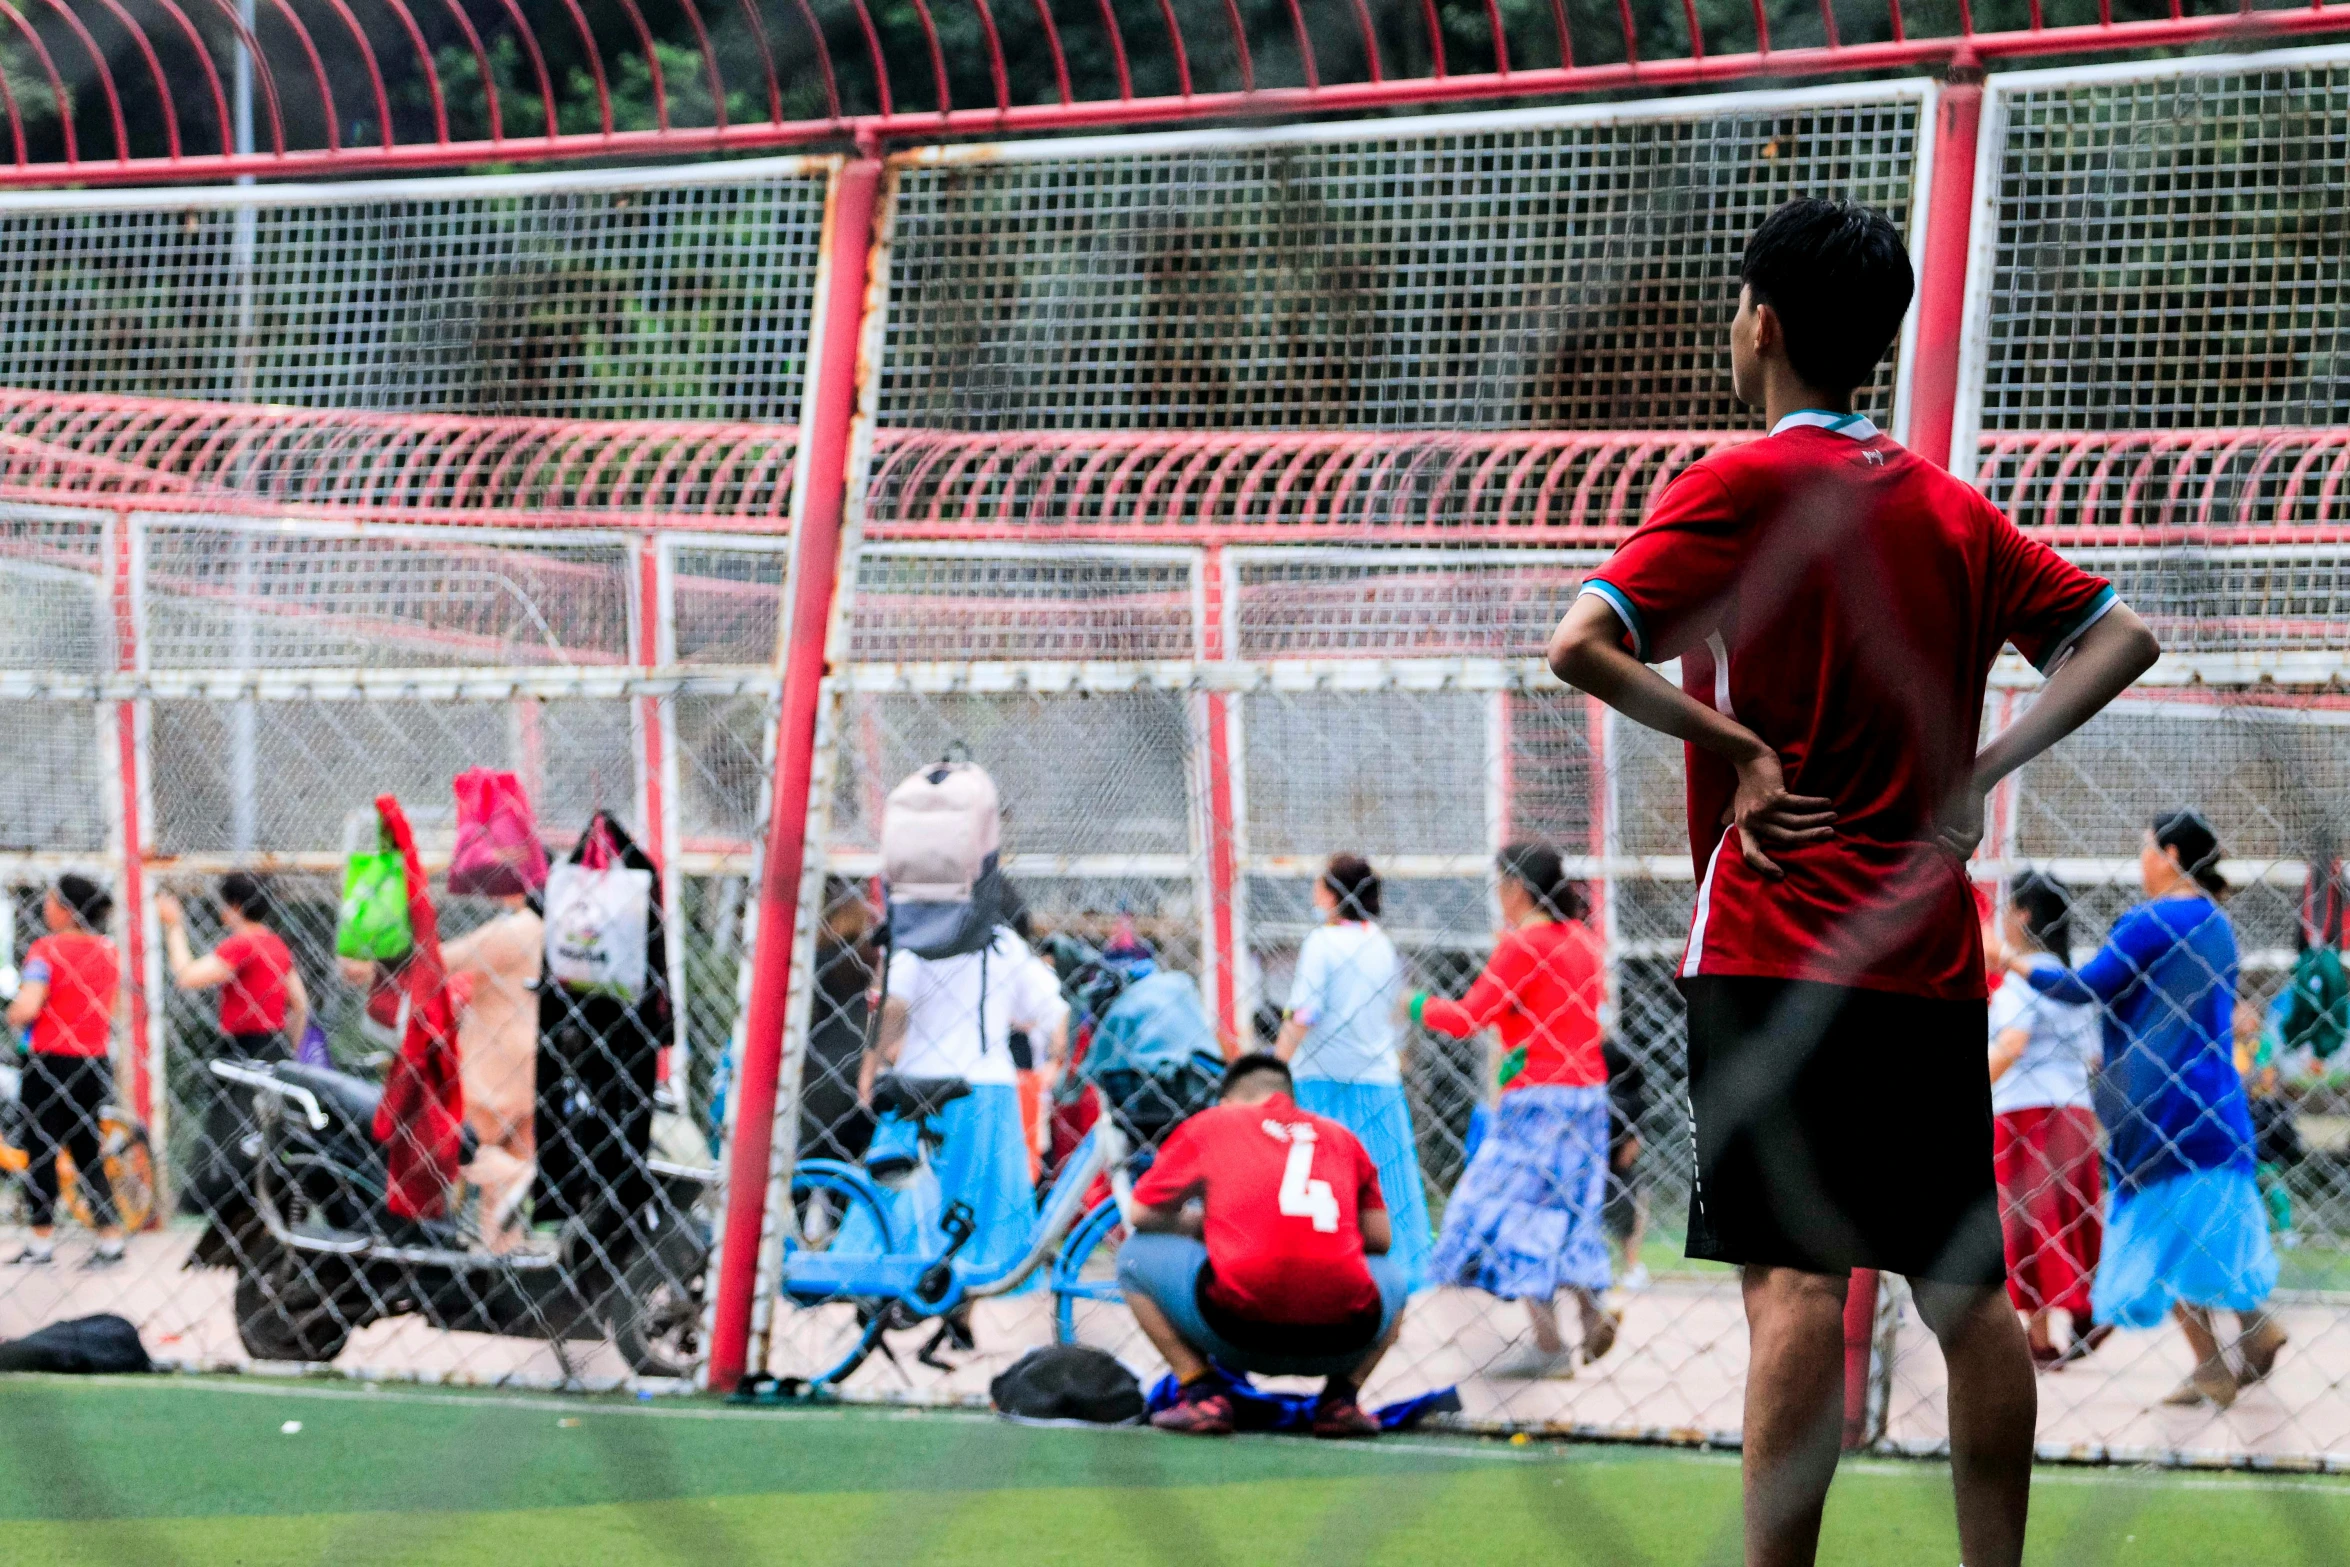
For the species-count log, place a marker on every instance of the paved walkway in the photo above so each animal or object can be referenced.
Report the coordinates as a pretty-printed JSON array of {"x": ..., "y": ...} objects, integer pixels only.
[{"x": 1677, "y": 1369}]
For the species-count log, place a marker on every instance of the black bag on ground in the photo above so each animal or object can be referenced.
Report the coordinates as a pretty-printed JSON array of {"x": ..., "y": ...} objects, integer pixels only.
[
  {"x": 1068, "y": 1382},
  {"x": 103, "y": 1345}
]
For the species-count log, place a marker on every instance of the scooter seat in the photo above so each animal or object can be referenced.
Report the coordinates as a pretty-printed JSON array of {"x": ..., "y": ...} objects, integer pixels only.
[
  {"x": 353, "y": 1099},
  {"x": 917, "y": 1098}
]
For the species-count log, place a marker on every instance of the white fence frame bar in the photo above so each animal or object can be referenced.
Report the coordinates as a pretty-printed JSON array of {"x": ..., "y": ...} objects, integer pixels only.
[{"x": 1990, "y": 157}]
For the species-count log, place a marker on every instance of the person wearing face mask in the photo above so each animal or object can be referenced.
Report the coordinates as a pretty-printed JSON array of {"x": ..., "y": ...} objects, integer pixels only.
[{"x": 2185, "y": 1231}]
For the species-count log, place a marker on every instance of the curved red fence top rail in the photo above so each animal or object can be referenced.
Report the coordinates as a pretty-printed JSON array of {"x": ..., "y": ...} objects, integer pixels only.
[
  {"x": 95, "y": 91},
  {"x": 2273, "y": 487},
  {"x": 163, "y": 454}
]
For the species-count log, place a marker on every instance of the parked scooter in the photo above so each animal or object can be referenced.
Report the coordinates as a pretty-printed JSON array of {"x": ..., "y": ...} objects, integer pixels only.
[{"x": 318, "y": 1255}]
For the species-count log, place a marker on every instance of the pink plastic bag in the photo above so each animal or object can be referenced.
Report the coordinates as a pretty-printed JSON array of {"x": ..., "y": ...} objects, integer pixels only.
[{"x": 498, "y": 849}]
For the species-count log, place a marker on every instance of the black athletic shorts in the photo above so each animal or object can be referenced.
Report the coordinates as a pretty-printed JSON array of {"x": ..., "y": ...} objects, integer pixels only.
[{"x": 1837, "y": 1129}]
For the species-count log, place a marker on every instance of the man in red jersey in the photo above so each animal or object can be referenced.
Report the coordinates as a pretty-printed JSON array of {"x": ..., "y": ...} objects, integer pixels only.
[
  {"x": 1283, "y": 1266},
  {"x": 1836, "y": 604}
]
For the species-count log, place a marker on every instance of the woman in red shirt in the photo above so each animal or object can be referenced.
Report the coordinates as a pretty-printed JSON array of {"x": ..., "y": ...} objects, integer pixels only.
[
  {"x": 66, "y": 998},
  {"x": 263, "y": 1006},
  {"x": 1525, "y": 1221}
]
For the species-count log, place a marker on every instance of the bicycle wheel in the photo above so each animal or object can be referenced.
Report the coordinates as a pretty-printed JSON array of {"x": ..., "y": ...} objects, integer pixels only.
[
  {"x": 1087, "y": 1305},
  {"x": 129, "y": 1162},
  {"x": 825, "y": 1335}
]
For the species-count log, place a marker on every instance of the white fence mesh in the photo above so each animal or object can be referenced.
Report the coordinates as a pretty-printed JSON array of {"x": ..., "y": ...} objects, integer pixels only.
[
  {"x": 587, "y": 296},
  {"x": 284, "y": 677}
]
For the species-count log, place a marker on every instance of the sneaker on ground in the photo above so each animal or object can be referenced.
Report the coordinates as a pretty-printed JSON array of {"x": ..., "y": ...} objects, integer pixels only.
[
  {"x": 30, "y": 1258},
  {"x": 103, "y": 1257},
  {"x": 1209, "y": 1416},
  {"x": 1533, "y": 1364},
  {"x": 1343, "y": 1419},
  {"x": 1634, "y": 1280}
]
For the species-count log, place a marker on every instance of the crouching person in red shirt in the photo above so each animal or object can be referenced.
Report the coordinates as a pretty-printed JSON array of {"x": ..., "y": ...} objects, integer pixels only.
[{"x": 1283, "y": 1267}]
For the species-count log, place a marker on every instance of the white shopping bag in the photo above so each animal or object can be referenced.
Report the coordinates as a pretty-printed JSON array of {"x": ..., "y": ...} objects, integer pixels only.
[{"x": 596, "y": 922}]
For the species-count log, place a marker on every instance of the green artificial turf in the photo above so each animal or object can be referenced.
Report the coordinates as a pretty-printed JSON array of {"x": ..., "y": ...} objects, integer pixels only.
[{"x": 199, "y": 1471}]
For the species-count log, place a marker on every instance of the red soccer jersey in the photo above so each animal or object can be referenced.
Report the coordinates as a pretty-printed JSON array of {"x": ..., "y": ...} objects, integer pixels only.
[
  {"x": 84, "y": 976},
  {"x": 253, "y": 1000},
  {"x": 1844, "y": 600},
  {"x": 1283, "y": 1191}
]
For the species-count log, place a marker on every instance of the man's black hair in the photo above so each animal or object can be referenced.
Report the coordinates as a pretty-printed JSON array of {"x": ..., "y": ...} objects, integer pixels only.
[
  {"x": 86, "y": 900},
  {"x": 1249, "y": 1066},
  {"x": 1839, "y": 277},
  {"x": 247, "y": 894}
]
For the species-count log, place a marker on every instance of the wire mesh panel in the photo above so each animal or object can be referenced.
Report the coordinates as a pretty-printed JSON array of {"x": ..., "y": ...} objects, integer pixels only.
[
  {"x": 242, "y": 597},
  {"x": 1221, "y": 494},
  {"x": 300, "y": 1177},
  {"x": 1550, "y": 269},
  {"x": 2166, "y": 254},
  {"x": 604, "y": 296},
  {"x": 2154, "y": 386}
]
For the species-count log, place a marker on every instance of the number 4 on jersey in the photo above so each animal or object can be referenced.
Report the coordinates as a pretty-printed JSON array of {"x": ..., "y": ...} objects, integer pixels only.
[{"x": 1302, "y": 1196}]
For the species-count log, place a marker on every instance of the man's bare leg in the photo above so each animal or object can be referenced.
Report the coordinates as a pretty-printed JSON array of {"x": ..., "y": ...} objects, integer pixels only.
[
  {"x": 1181, "y": 1358},
  {"x": 1370, "y": 1362},
  {"x": 1994, "y": 1408},
  {"x": 1794, "y": 1410}
]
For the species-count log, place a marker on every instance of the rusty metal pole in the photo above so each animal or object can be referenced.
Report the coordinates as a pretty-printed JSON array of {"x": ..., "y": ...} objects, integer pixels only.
[{"x": 825, "y": 432}]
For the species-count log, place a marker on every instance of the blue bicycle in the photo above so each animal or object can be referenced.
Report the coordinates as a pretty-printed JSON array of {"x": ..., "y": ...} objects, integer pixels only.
[{"x": 852, "y": 1274}]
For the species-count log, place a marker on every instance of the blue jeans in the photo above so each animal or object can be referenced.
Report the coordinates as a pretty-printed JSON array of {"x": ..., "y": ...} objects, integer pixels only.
[{"x": 1167, "y": 1267}]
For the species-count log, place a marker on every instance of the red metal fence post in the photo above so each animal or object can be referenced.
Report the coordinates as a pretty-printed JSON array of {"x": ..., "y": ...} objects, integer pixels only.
[
  {"x": 1942, "y": 269},
  {"x": 1222, "y": 821},
  {"x": 826, "y": 429},
  {"x": 123, "y": 595}
]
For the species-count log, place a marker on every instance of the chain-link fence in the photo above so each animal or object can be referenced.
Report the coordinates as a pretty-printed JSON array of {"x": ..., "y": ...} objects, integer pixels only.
[
  {"x": 1215, "y": 493},
  {"x": 245, "y": 691},
  {"x": 1228, "y": 492}
]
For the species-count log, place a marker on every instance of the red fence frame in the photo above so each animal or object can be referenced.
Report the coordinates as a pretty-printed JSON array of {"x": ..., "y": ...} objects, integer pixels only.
[
  {"x": 1206, "y": 490},
  {"x": 358, "y": 87}
]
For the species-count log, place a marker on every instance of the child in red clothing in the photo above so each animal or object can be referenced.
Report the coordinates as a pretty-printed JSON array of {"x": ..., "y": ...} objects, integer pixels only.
[
  {"x": 263, "y": 1005},
  {"x": 72, "y": 978},
  {"x": 1525, "y": 1221},
  {"x": 1284, "y": 1266}
]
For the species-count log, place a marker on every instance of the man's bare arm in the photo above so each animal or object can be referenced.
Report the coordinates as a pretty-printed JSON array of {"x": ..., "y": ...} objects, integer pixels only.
[
  {"x": 1182, "y": 1220},
  {"x": 2101, "y": 666},
  {"x": 1587, "y": 653}
]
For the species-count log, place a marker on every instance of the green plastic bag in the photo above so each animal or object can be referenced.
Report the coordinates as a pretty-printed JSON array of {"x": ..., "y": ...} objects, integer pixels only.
[{"x": 374, "y": 922}]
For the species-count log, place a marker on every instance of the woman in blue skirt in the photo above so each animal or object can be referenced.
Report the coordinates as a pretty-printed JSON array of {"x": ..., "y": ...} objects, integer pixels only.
[
  {"x": 953, "y": 1018},
  {"x": 2185, "y": 1232},
  {"x": 1342, "y": 1040}
]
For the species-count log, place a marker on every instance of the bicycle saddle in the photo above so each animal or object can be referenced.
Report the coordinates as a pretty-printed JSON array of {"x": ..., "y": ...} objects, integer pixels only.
[{"x": 917, "y": 1098}]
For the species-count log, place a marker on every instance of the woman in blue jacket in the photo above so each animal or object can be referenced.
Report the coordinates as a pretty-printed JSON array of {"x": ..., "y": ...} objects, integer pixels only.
[{"x": 2185, "y": 1231}]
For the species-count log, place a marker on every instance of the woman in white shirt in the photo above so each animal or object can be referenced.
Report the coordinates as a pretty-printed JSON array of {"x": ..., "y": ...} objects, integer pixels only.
[
  {"x": 1342, "y": 1039},
  {"x": 2043, "y": 1131},
  {"x": 933, "y": 1027}
]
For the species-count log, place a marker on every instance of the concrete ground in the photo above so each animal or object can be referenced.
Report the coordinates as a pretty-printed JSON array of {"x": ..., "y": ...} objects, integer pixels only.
[{"x": 1676, "y": 1370}]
